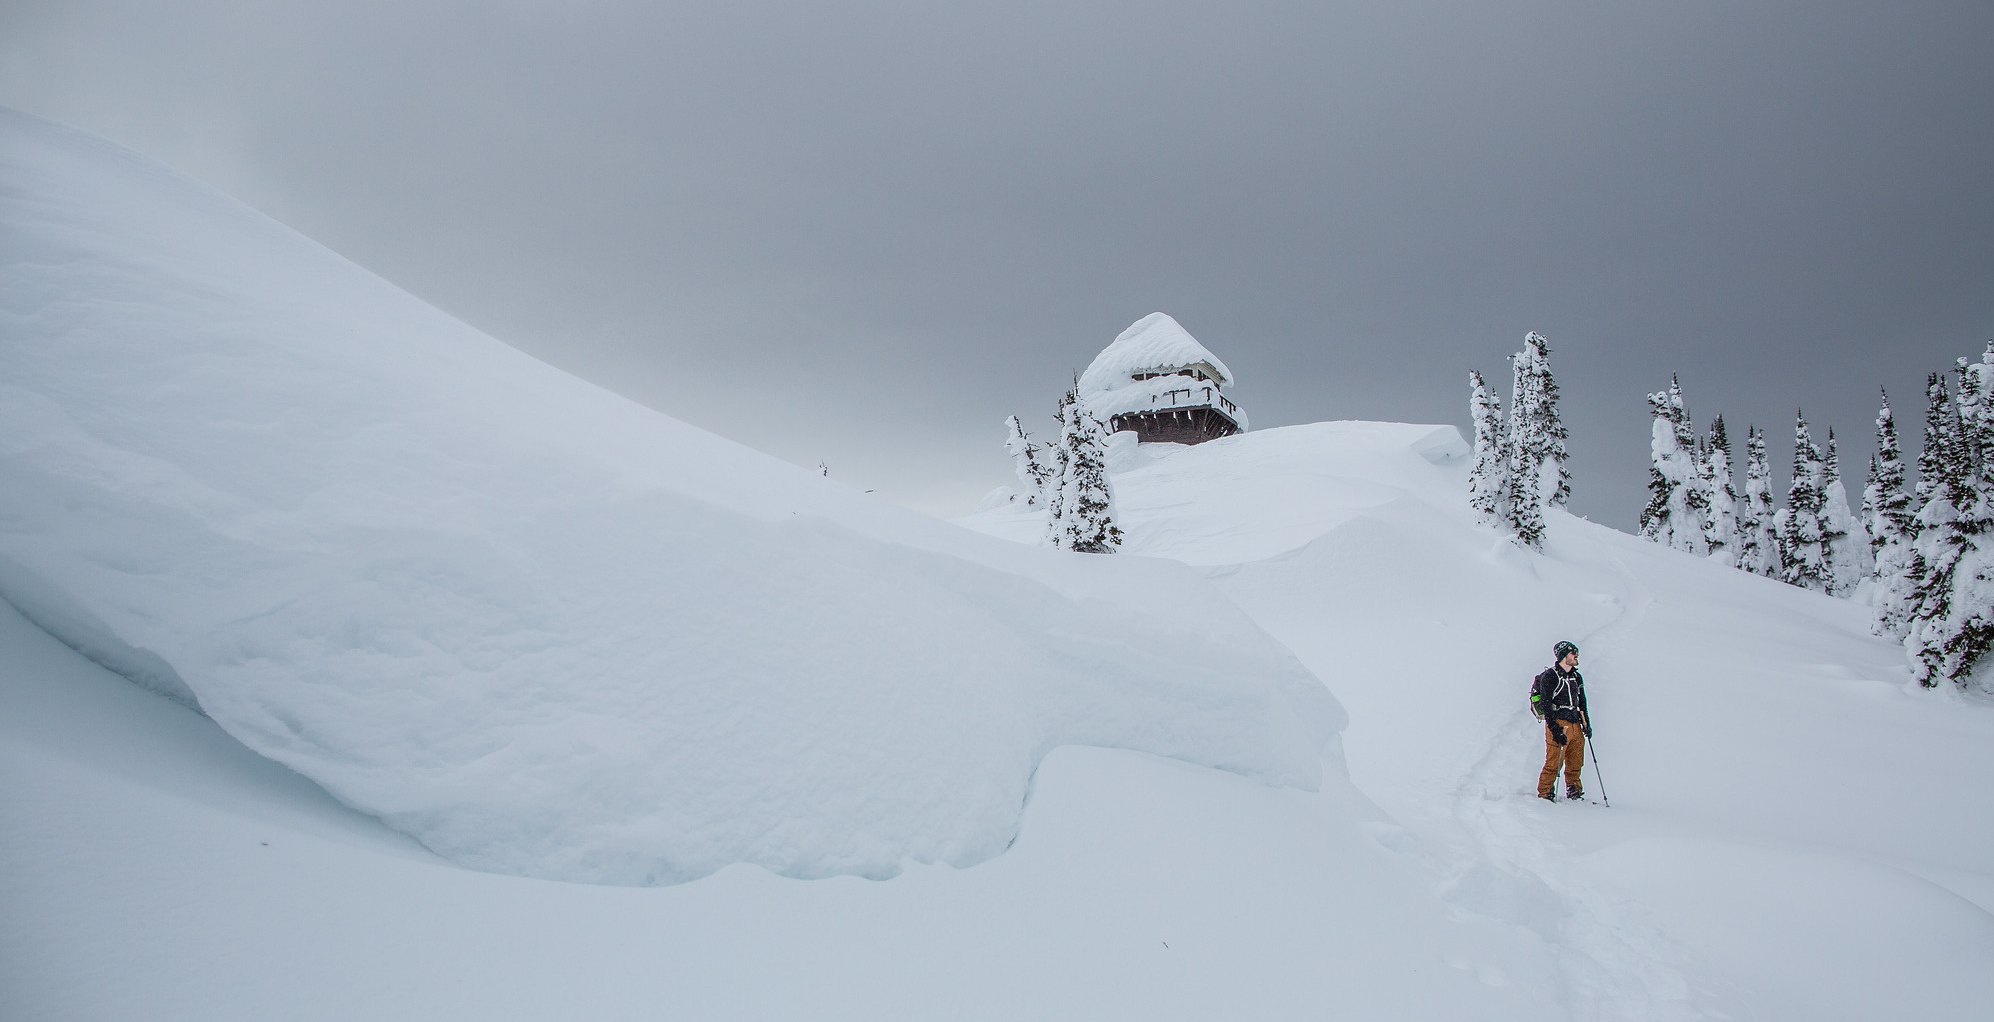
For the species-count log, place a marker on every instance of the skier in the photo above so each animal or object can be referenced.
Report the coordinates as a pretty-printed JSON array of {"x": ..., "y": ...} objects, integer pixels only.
[{"x": 1558, "y": 698}]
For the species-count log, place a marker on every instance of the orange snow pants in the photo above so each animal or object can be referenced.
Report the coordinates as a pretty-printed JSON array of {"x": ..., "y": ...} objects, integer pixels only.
[{"x": 1572, "y": 755}]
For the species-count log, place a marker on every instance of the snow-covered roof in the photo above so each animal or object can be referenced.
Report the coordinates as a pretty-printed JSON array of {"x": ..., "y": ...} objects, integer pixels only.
[{"x": 1154, "y": 343}]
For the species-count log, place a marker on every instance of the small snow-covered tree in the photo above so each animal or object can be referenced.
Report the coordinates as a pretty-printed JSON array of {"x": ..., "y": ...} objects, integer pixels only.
[
  {"x": 1977, "y": 422},
  {"x": 1486, "y": 479},
  {"x": 1695, "y": 494},
  {"x": 1519, "y": 499},
  {"x": 1758, "y": 540},
  {"x": 1032, "y": 470},
  {"x": 1535, "y": 424},
  {"x": 1672, "y": 517},
  {"x": 1951, "y": 620},
  {"x": 1523, "y": 506},
  {"x": 1890, "y": 522},
  {"x": 1655, "y": 525},
  {"x": 1057, "y": 458},
  {"x": 1975, "y": 409},
  {"x": 1720, "y": 522},
  {"x": 1842, "y": 539},
  {"x": 1803, "y": 555},
  {"x": 1082, "y": 505}
]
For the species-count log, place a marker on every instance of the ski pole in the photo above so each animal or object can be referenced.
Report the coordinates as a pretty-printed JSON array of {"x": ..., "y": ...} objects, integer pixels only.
[{"x": 1596, "y": 772}]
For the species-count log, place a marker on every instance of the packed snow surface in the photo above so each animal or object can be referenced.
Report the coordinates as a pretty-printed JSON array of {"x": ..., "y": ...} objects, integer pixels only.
[
  {"x": 343, "y": 573},
  {"x": 540, "y": 628},
  {"x": 1766, "y": 855}
]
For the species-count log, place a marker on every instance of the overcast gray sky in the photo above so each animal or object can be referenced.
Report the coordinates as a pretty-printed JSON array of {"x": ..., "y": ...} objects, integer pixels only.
[{"x": 866, "y": 233}]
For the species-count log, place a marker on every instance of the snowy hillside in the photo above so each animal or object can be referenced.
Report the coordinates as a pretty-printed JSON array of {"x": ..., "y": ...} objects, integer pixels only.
[
  {"x": 1791, "y": 817},
  {"x": 525, "y": 627},
  {"x": 541, "y": 629}
]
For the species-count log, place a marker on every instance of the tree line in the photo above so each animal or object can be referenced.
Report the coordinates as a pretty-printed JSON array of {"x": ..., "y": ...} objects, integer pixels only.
[
  {"x": 1921, "y": 554},
  {"x": 1917, "y": 553}
]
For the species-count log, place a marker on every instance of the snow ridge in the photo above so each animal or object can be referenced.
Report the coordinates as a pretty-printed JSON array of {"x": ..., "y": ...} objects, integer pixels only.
[{"x": 542, "y": 629}]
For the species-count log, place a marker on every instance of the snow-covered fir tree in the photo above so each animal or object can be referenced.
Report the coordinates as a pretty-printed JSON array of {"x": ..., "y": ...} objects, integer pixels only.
[
  {"x": 1803, "y": 554},
  {"x": 1655, "y": 525},
  {"x": 1720, "y": 521},
  {"x": 1842, "y": 538},
  {"x": 1951, "y": 621},
  {"x": 1518, "y": 500},
  {"x": 1535, "y": 426},
  {"x": 1675, "y": 486},
  {"x": 1758, "y": 538},
  {"x": 1081, "y": 511},
  {"x": 1977, "y": 423},
  {"x": 1486, "y": 479},
  {"x": 1976, "y": 410},
  {"x": 1889, "y": 522},
  {"x": 1523, "y": 508},
  {"x": 1695, "y": 494},
  {"x": 1032, "y": 470},
  {"x": 1520, "y": 465}
]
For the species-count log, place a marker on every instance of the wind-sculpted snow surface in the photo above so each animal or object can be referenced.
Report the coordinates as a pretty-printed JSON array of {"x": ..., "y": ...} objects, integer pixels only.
[
  {"x": 1748, "y": 866},
  {"x": 542, "y": 629}
]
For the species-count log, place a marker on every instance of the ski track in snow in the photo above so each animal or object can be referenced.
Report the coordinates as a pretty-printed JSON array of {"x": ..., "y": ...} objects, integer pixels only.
[{"x": 1610, "y": 966}]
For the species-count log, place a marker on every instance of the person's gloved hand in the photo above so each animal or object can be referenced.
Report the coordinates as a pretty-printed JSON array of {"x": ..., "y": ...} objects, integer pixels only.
[
  {"x": 1588, "y": 732},
  {"x": 1557, "y": 733}
]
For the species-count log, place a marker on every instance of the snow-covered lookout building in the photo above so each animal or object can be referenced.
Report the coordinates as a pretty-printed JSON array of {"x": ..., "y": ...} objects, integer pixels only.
[{"x": 1157, "y": 380}]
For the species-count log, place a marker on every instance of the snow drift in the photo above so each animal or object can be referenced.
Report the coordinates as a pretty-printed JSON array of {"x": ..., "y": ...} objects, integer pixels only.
[
  {"x": 1763, "y": 858},
  {"x": 540, "y": 628}
]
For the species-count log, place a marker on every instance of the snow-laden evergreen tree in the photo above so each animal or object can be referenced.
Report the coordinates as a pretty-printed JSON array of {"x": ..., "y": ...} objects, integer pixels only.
[
  {"x": 1977, "y": 422},
  {"x": 1758, "y": 538},
  {"x": 1803, "y": 554},
  {"x": 1057, "y": 456},
  {"x": 1866, "y": 511},
  {"x": 1975, "y": 408},
  {"x": 1519, "y": 500},
  {"x": 1673, "y": 516},
  {"x": 1082, "y": 505},
  {"x": 1842, "y": 538},
  {"x": 1720, "y": 521},
  {"x": 1485, "y": 480},
  {"x": 1535, "y": 426},
  {"x": 1695, "y": 489},
  {"x": 1890, "y": 522},
  {"x": 1654, "y": 521},
  {"x": 1951, "y": 622},
  {"x": 1032, "y": 470},
  {"x": 1938, "y": 407},
  {"x": 1522, "y": 506}
]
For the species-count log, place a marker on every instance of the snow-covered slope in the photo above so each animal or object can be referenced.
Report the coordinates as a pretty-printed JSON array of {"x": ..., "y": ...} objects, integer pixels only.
[
  {"x": 542, "y": 629},
  {"x": 1789, "y": 812},
  {"x": 153, "y": 869},
  {"x": 449, "y": 584}
]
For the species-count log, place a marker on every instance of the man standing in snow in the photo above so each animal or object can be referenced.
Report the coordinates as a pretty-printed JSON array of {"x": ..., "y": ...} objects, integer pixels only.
[{"x": 1558, "y": 698}]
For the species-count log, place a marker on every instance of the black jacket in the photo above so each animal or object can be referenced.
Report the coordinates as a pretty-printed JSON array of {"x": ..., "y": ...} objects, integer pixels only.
[{"x": 1560, "y": 695}]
